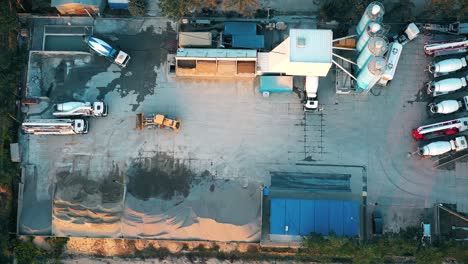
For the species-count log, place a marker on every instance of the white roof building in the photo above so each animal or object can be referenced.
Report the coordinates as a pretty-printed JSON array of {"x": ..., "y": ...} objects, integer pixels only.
[{"x": 306, "y": 52}]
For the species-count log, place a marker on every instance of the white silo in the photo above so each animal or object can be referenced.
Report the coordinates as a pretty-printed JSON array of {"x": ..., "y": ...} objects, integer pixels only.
[
  {"x": 371, "y": 30},
  {"x": 376, "y": 46},
  {"x": 371, "y": 74},
  {"x": 373, "y": 13}
]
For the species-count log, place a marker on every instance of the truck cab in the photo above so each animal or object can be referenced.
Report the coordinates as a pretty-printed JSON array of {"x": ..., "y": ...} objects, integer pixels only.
[
  {"x": 163, "y": 121},
  {"x": 80, "y": 126},
  {"x": 407, "y": 34},
  {"x": 122, "y": 59},
  {"x": 100, "y": 109}
]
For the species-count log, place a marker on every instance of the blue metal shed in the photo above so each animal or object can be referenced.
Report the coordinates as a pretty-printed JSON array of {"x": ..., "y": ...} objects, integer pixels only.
[
  {"x": 118, "y": 4},
  {"x": 248, "y": 41},
  {"x": 302, "y": 217},
  {"x": 240, "y": 28},
  {"x": 276, "y": 84}
]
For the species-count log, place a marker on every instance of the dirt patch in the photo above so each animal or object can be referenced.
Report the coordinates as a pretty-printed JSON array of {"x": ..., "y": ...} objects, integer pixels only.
[{"x": 159, "y": 177}]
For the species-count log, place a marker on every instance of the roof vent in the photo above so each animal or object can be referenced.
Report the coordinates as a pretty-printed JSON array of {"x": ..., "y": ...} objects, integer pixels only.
[{"x": 301, "y": 42}]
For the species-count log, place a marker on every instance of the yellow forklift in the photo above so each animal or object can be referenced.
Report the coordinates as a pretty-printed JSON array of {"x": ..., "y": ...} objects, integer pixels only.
[{"x": 157, "y": 120}]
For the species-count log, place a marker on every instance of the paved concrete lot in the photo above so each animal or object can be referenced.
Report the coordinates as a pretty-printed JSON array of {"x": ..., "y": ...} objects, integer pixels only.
[{"x": 205, "y": 181}]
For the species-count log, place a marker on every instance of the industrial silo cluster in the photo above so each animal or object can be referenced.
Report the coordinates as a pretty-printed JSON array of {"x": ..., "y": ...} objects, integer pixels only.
[{"x": 371, "y": 47}]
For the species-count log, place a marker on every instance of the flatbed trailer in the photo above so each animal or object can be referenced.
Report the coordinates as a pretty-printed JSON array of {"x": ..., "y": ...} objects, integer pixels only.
[{"x": 456, "y": 28}]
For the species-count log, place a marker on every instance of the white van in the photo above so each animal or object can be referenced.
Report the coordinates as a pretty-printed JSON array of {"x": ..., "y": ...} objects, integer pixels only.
[
  {"x": 311, "y": 87},
  {"x": 393, "y": 56}
]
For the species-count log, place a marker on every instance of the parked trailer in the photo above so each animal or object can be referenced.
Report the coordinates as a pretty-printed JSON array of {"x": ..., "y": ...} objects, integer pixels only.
[
  {"x": 447, "y": 66},
  {"x": 456, "y": 28},
  {"x": 96, "y": 109},
  {"x": 446, "y": 47},
  {"x": 102, "y": 48},
  {"x": 450, "y": 127},
  {"x": 55, "y": 126},
  {"x": 442, "y": 147},
  {"x": 449, "y": 106},
  {"x": 445, "y": 86}
]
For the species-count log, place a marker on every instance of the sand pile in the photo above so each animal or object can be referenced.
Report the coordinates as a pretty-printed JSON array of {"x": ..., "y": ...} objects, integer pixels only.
[
  {"x": 83, "y": 207},
  {"x": 214, "y": 210},
  {"x": 163, "y": 199}
]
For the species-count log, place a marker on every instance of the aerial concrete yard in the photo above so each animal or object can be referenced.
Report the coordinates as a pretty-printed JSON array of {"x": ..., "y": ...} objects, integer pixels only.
[{"x": 205, "y": 182}]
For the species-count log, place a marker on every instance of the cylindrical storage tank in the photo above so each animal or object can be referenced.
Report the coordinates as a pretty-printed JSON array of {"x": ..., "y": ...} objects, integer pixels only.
[
  {"x": 435, "y": 148},
  {"x": 373, "y": 13},
  {"x": 446, "y": 85},
  {"x": 449, "y": 65},
  {"x": 376, "y": 46},
  {"x": 371, "y": 30},
  {"x": 370, "y": 74}
]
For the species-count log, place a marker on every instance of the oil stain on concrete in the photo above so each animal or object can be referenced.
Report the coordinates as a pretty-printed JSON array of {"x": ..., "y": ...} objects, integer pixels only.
[
  {"x": 161, "y": 176},
  {"x": 147, "y": 50}
]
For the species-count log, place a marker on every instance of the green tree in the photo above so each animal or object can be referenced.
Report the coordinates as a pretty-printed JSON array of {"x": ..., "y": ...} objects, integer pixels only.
[
  {"x": 343, "y": 11},
  {"x": 176, "y": 9},
  {"x": 402, "y": 11},
  {"x": 243, "y": 7},
  {"x": 441, "y": 11},
  {"x": 27, "y": 252},
  {"x": 137, "y": 7}
]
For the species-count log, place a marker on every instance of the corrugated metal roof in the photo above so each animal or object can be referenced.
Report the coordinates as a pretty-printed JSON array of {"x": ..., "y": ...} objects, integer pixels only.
[
  {"x": 303, "y": 217},
  {"x": 240, "y": 28},
  {"x": 216, "y": 53},
  {"x": 195, "y": 39},
  {"x": 248, "y": 41},
  {"x": 85, "y": 2},
  {"x": 311, "y": 45}
]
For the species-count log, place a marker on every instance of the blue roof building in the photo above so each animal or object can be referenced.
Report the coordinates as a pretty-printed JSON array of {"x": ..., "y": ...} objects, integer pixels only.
[
  {"x": 240, "y": 28},
  {"x": 302, "y": 217}
]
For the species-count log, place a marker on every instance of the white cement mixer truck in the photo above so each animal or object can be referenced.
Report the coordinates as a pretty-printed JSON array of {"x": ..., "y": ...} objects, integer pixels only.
[
  {"x": 96, "y": 109},
  {"x": 447, "y": 66},
  {"x": 449, "y": 106},
  {"x": 442, "y": 147},
  {"x": 445, "y": 86}
]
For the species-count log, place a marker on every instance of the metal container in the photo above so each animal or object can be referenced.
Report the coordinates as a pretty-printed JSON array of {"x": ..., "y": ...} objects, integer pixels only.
[
  {"x": 370, "y": 74},
  {"x": 371, "y": 30},
  {"x": 374, "y": 13},
  {"x": 376, "y": 46}
]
